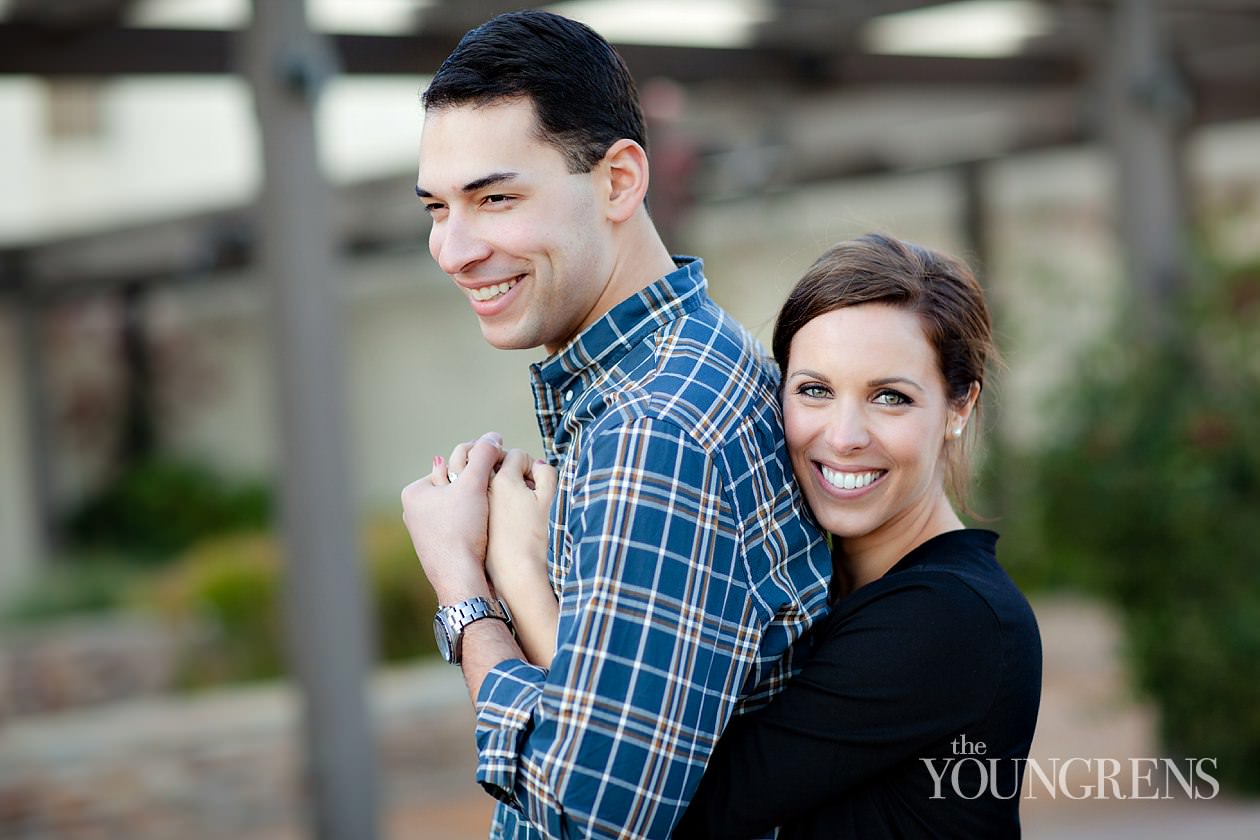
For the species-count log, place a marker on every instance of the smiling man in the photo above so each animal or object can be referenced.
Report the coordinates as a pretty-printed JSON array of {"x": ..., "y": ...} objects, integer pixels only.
[
  {"x": 679, "y": 551},
  {"x": 523, "y": 235}
]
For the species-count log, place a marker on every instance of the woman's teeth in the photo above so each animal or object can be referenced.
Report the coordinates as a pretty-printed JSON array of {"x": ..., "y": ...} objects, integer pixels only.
[
  {"x": 491, "y": 292},
  {"x": 849, "y": 480}
]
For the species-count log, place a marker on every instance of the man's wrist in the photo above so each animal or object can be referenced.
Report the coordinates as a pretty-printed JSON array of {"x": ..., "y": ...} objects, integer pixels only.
[
  {"x": 487, "y": 644},
  {"x": 456, "y": 592},
  {"x": 480, "y": 632},
  {"x": 452, "y": 620}
]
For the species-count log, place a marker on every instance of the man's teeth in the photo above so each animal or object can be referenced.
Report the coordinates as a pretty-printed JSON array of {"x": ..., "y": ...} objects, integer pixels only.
[
  {"x": 849, "y": 480},
  {"x": 491, "y": 292}
]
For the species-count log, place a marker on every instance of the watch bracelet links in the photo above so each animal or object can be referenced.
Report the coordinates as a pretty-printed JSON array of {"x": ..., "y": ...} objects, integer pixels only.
[{"x": 475, "y": 609}]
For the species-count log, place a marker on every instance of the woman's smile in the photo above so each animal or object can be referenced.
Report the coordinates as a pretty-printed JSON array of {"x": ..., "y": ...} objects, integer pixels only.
[{"x": 850, "y": 481}]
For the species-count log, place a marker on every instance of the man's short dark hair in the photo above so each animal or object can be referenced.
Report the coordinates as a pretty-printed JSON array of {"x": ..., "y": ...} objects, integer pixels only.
[{"x": 583, "y": 94}]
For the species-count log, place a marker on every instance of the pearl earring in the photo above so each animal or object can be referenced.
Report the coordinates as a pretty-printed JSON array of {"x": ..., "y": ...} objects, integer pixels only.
[{"x": 958, "y": 432}]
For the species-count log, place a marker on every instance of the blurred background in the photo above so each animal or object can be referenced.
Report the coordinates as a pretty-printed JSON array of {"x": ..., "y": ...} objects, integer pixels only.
[{"x": 224, "y": 349}]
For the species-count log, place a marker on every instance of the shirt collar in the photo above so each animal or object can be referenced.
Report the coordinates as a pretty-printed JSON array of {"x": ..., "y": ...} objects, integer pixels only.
[{"x": 605, "y": 342}]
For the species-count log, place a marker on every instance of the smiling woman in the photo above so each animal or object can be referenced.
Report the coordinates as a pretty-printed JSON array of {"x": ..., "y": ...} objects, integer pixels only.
[
  {"x": 882, "y": 347},
  {"x": 867, "y": 422}
]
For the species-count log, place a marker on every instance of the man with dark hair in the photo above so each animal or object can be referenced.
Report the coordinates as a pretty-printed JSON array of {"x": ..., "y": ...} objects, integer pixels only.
[{"x": 679, "y": 549}]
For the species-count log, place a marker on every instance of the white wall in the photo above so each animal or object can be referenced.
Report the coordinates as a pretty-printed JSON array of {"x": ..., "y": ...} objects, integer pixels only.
[{"x": 178, "y": 145}]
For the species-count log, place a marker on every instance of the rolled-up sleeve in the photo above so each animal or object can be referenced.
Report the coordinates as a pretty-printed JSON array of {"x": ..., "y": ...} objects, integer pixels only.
[{"x": 656, "y": 637}]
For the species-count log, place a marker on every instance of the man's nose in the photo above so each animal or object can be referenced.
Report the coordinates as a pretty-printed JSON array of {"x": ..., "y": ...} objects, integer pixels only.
[{"x": 456, "y": 245}]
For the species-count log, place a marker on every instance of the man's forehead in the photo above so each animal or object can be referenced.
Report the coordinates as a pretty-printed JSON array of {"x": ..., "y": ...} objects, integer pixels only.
[
  {"x": 516, "y": 114},
  {"x": 464, "y": 145}
]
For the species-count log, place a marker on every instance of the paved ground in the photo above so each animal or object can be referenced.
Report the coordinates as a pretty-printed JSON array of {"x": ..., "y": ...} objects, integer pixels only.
[{"x": 1086, "y": 712}]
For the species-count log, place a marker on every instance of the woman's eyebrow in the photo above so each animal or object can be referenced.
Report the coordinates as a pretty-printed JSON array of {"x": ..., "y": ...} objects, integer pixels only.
[
  {"x": 806, "y": 372},
  {"x": 894, "y": 380}
]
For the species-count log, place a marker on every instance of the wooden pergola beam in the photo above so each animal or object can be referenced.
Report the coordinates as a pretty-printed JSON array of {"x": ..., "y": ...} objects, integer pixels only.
[{"x": 28, "y": 49}]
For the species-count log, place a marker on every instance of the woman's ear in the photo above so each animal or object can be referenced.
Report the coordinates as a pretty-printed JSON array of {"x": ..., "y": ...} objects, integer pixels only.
[
  {"x": 626, "y": 167},
  {"x": 959, "y": 415}
]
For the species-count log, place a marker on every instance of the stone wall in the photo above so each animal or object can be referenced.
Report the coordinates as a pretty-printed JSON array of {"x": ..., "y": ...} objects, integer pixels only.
[
  {"x": 222, "y": 764},
  {"x": 84, "y": 662}
]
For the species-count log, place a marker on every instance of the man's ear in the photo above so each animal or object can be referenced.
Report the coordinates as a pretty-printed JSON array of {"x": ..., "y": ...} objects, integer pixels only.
[{"x": 625, "y": 166}]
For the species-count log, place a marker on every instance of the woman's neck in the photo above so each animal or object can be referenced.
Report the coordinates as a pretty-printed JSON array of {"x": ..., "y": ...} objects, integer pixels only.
[{"x": 869, "y": 557}]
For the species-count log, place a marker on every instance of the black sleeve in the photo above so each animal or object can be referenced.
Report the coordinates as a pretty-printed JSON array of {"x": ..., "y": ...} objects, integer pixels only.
[{"x": 915, "y": 661}]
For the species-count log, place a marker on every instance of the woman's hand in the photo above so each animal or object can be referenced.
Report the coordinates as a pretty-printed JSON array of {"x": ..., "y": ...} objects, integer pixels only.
[
  {"x": 448, "y": 522},
  {"x": 516, "y": 557}
]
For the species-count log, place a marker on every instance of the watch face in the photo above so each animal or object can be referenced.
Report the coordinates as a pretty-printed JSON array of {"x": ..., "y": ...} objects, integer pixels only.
[{"x": 443, "y": 641}]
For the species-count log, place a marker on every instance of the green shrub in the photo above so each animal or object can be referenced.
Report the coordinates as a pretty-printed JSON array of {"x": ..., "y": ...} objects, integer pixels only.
[
  {"x": 404, "y": 601},
  {"x": 157, "y": 508},
  {"x": 1153, "y": 498},
  {"x": 98, "y": 584},
  {"x": 227, "y": 589}
]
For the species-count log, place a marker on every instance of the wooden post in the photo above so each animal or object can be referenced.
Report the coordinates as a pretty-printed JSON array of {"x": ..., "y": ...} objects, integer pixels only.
[
  {"x": 41, "y": 536},
  {"x": 978, "y": 254},
  {"x": 1148, "y": 106},
  {"x": 326, "y": 611}
]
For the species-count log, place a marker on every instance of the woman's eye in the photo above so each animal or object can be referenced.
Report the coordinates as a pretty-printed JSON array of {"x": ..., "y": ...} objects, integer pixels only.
[
  {"x": 817, "y": 392},
  {"x": 892, "y": 398}
]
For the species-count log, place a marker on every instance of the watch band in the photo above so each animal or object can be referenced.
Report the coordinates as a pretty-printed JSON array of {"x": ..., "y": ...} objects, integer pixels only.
[{"x": 450, "y": 622}]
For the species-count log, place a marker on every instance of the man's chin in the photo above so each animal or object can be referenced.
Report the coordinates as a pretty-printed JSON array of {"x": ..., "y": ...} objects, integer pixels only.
[{"x": 506, "y": 339}]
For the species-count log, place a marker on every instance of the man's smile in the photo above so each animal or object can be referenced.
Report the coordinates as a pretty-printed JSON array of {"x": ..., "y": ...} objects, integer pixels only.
[{"x": 494, "y": 290}]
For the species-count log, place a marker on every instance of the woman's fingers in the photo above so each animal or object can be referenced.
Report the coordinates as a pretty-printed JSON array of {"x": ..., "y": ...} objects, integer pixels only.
[
  {"x": 459, "y": 455},
  {"x": 482, "y": 459},
  {"x": 519, "y": 468},
  {"x": 438, "y": 475},
  {"x": 545, "y": 480},
  {"x": 515, "y": 466}
]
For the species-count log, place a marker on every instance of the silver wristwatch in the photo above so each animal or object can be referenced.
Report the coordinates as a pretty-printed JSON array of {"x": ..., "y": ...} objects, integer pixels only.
[{"x": 449, "y": 624}]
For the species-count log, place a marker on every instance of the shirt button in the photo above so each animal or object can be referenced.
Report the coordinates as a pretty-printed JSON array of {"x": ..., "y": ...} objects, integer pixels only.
[{"x": 568, "y": 395}]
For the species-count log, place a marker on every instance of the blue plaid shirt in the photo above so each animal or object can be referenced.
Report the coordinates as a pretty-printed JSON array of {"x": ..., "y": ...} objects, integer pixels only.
[{"x": 683, "y": 560}]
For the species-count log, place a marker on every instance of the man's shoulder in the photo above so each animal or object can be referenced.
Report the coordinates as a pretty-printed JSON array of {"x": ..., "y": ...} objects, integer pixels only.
[{"x": 703, "y": 370}]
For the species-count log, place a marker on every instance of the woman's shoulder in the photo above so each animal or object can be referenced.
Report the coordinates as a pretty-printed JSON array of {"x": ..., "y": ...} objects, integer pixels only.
[
  {"x": 958, "y": 561},
  {"x": 952, "y": 585}
]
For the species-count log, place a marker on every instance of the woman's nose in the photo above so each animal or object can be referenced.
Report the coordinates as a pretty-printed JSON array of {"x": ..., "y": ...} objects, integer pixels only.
[{"x": 847, "y": 428}]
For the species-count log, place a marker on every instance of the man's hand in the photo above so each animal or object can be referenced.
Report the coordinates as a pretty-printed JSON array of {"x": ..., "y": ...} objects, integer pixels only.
[{"x": 448, "y": 520}]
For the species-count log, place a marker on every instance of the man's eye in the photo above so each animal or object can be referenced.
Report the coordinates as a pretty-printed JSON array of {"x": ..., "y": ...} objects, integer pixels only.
[{"x": 433, "y": 207}]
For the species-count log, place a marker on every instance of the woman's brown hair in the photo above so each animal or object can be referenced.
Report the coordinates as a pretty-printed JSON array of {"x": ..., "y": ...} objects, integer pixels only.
[{"x": 940, "y": 289}]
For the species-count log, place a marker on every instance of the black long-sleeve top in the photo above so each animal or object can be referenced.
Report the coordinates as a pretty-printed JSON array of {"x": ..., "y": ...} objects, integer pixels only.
[{"x": 865, "y": 741}]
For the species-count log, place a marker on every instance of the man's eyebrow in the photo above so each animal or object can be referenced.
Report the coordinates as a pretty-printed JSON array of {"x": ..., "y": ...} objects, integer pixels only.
[
  {"x": 473, "y": 186},
  {"x": 489, "y": 181}
]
